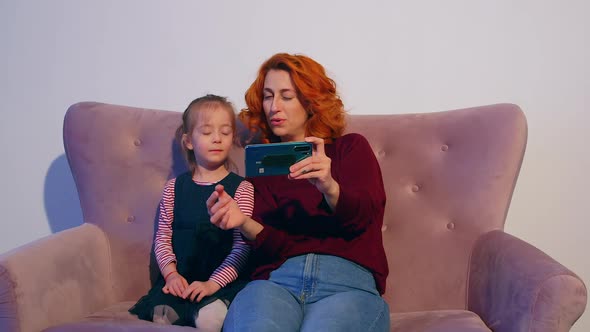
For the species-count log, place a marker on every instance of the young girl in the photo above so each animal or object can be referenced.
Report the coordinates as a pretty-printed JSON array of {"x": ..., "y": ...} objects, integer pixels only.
[{"x": 199, "y": 262}]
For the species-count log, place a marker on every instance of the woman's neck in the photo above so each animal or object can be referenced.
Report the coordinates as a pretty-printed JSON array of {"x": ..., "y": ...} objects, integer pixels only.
[
  {"x": 202, "y": 174},
  {"x": 292, "y": 138}
]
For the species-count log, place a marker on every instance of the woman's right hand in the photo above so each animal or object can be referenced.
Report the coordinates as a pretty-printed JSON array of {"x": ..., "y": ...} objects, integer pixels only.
[
  {"x": 224, "y": 210},
  {"x": 175, "y": 284}
]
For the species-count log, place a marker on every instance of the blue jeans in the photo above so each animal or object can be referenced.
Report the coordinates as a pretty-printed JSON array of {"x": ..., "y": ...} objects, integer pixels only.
[{"x": 310, "y": 293}]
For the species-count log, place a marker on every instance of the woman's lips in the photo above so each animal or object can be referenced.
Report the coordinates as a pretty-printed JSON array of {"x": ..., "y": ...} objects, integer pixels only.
[{"x": 277, "y": 122}]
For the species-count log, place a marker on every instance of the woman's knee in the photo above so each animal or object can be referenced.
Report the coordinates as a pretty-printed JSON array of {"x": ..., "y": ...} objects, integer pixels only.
[
  {"x": 264, "y": 306},
  {"x": 348, "y": 311}
]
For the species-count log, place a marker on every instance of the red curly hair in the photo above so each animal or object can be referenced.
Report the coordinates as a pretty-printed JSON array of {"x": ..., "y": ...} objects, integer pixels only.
[{"x": 316, "y": 93}]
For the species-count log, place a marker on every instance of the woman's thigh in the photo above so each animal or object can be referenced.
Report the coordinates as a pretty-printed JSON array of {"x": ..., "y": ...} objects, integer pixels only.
[
  {"x": 264, "y": 306},
  {"x": 347, "y": 311}
]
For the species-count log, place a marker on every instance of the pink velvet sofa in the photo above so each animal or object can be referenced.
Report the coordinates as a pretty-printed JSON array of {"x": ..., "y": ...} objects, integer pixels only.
[{"x": 449, "y": 178}]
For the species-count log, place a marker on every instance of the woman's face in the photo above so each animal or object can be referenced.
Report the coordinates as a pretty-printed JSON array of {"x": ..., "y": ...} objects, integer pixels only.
[{"x": 285, "y": 115}]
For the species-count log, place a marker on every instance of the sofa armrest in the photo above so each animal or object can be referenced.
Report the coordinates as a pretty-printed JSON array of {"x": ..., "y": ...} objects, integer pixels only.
[
  {"x": 56, "y": 279},
  {"x": 514, "y": 286}
]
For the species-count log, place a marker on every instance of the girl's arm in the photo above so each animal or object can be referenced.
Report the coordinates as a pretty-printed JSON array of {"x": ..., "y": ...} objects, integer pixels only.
[
  {"x": 175, "y": 283},
  {"x": 163, "y": 241},
  {"x": 234, "y": 263}
]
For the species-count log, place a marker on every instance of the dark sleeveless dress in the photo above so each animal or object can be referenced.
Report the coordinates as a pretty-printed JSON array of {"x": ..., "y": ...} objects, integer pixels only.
[{"x": 199, "y": 246}]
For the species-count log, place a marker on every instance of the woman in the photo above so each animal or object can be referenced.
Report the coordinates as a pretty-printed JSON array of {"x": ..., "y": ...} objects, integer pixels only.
[{"x": 318, "y": 257}]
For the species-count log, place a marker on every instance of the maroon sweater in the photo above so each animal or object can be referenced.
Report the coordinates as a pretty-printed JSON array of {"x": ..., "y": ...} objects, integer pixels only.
[{"x": 297, "y": 220}]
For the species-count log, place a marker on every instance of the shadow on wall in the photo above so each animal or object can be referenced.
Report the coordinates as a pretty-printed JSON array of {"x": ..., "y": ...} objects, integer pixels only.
[{"x": 60, "y": 196}]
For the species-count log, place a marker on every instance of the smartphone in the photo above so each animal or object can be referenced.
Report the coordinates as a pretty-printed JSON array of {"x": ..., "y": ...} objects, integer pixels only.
[{"x": 274, "y": 158}]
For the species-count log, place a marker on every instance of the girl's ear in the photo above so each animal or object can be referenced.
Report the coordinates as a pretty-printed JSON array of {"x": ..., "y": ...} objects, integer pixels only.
[{"x": 187, "y": 142}]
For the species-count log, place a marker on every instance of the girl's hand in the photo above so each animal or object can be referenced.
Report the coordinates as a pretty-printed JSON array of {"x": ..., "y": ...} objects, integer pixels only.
[
  {"x": 200, "y": 289},
  {"x": 224, "y": 210},
  {"x": 175, "y": 284},
  {"x": 317, "y": 169}
]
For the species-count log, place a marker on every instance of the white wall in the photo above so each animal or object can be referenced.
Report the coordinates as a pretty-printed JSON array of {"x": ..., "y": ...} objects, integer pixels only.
[{"x": 387, "y": 56}]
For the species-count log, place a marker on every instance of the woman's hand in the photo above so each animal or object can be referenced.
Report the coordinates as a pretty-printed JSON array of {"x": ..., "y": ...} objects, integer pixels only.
[
  {"x": 199, "y": 289},
  {"x": 176, "y": 284},
  {"x": 224, "y": 210},
  {"x": 317, "y": 169},
  {"x": 226, "y": 214}
]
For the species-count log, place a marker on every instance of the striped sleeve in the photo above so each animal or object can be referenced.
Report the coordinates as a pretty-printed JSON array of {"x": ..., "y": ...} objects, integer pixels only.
[
  {"x": 163, "y": 240},
  {"x": 236, "y": 260}
]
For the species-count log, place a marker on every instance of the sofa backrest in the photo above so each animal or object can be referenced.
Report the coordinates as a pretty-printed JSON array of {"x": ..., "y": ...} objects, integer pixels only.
[{"x": 449, "y": 177}]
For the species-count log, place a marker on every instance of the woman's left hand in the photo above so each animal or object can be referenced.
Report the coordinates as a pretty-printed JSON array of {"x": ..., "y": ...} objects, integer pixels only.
[{"x": 317, "y": 169}]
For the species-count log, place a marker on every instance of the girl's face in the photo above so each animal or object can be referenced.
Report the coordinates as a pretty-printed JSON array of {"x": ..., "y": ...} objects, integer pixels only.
[
  {"x": 212, "y": 136},
  {"x": 285, "y": 115}
]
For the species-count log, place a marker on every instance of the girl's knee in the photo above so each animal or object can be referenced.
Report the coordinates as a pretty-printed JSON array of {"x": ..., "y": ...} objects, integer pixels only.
[
  {"x": 164, "y": 314},
  {"x": 210, "y": 318}
]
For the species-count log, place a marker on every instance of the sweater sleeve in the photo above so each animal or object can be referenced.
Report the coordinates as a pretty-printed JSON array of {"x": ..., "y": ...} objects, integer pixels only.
[
  {"x": 233, "y": 264},
  {"x": 270, "y": 242},
  {"x": 362, "y": 193},
  {"x": 163, "y": 240}
]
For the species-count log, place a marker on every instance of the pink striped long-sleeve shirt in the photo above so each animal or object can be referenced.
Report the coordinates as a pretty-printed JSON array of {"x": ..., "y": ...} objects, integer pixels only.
[{"x": 238, "y": 256}]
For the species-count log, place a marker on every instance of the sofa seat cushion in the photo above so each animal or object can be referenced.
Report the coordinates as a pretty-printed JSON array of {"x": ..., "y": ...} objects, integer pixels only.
[
  {"x": 439, "y": 321},
  {"x": 115, "y": 318}
]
